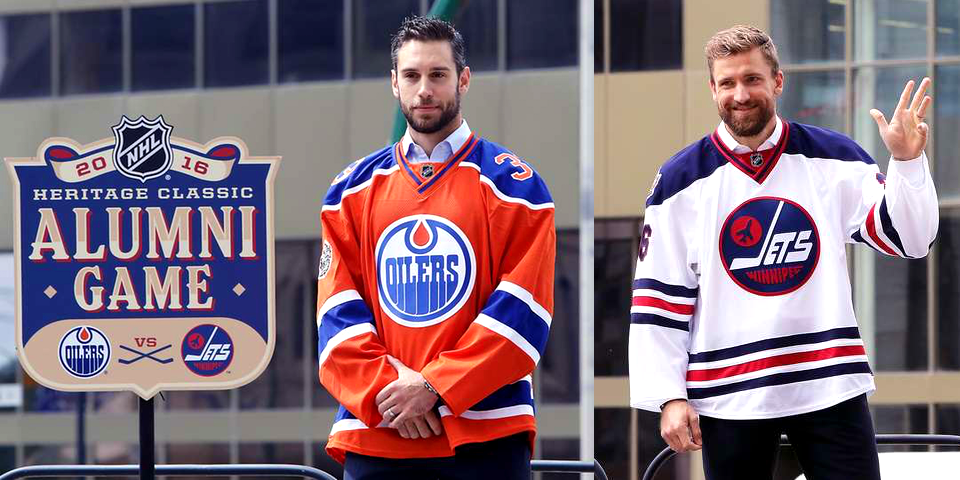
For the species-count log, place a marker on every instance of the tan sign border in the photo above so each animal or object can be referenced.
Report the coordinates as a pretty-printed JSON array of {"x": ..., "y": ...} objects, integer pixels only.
[{"x": 147, "y": 393}]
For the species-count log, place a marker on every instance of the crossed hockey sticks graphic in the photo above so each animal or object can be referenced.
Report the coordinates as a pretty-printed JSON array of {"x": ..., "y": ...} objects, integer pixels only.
[{"x": 142, "y": 355}]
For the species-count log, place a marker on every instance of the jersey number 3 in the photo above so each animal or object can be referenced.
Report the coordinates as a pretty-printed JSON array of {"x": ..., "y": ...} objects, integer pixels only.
[{"x": 525, "y": 171}]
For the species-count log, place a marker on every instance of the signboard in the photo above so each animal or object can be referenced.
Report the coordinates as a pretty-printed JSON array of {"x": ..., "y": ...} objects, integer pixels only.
[{"x": 143, "y": 262}]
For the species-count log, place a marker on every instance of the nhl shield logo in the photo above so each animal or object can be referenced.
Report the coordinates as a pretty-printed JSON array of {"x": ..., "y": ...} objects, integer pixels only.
[{"x": 142, "y": 148}]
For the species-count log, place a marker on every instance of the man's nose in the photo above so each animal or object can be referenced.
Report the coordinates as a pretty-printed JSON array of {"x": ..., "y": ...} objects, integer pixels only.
[
  {"x": 424, "y": 90},
  {"x": 740, "y": 94}
]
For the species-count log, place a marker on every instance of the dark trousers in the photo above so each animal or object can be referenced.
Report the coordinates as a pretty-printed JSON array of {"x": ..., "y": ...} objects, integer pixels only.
[
  {"x": 834, "y": 443},
  {"x": 505, "y": 458}
]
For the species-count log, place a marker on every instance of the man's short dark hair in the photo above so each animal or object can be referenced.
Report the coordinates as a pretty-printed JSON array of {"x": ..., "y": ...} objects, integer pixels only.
[{"x": 429, "y": 29}]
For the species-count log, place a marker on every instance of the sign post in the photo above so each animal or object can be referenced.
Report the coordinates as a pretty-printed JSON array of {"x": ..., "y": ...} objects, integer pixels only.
[{"x": 144, "y": 262}]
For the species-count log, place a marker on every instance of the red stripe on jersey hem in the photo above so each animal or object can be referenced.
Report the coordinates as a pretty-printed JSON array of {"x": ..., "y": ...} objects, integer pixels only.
[
  {"x": 872, "y": 231},
  {"x": 775, "y": 361},
  {"x": 680, "y": 308}
]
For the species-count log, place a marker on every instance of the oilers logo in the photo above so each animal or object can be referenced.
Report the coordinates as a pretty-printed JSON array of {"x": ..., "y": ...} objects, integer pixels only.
[
  {"x": 207, "y": 350},
  {"x": 769, "y": 246},
  {"x": 84, "y": 352},
  {"x": 425, "y": 270}
]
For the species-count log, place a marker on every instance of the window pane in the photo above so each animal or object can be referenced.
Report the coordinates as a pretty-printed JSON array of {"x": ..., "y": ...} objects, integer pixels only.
[
  {"x": 541, "y": 34},
  {"x": 645, "y": 35},
  {"x": 9, "y": 365},
  {"x": 559, "y": 368},
  {"x": 26, "y": 57},
  {"x": 8, "y": 458},
  {"x": 374, "y": 22},
  {"x": 946, "y": 109},
  {"x": 477, "y": 23},
  {"x": 235, "y": 43},
  {"x": 900, "y": 327},
  {"x": 558, "y": 449},
  {"x": 808, "y": 31},
  {"x": 879, "y": 88},
  {"x": 948, "y": 291},
  {"x": 599, "y": 49},
  {"x": 276, "y": 453},
  {"x": 948, "y": 422},
  {"x": 612, "y": 441},
  {"x": 886, "y": 29},
  {"x": 162, "y": 44},
  {"x": 281, "y": 384},
  {"x": 615, "y": 250},
  {"x": 196, "y": 400},
  {"x": 948, "y": 28},
  {"x": 311, "y": 40},
  {"x": 901, "y": 419},
  {"x": 90, "y": 52},
  {"x": 322, "y": 461},
  {"x": 199, "y": 453},
  {"x": 815, "y": 98},
  {"x": 50, "y": 454},
  {"x": 40, "y": 399}
]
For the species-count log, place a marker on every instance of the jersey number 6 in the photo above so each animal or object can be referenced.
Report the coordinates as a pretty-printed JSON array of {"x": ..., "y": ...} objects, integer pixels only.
[
  {"x": 525, "y": 171},
  {"x": 644, "y": 241}
]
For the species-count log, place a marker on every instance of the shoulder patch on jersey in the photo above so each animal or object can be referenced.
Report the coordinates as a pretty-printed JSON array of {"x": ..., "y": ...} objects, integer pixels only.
[
  {"x": 510, "y": 175},
  {"x": 426, "y": 270},
  {"x": 817, "y": 142},
  {"x": 358, "y": 172},
  {"x": 698, "y": 160},
  {"x": 326, "y": 259},
  {"x": 769, "y": 246}
]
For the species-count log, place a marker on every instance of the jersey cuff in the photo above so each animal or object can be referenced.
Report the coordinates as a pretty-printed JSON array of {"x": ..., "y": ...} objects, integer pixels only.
[{"x": 913, "y": 172}]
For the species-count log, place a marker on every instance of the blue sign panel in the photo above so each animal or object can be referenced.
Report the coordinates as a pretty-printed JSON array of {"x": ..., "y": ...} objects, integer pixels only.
[{"x": 141, "y": 242}]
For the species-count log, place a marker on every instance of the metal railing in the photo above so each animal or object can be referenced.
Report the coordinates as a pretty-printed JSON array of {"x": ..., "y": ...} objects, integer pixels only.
[
  {"x": 882, "y": 439},
  {"x": 250, "y": 470}
]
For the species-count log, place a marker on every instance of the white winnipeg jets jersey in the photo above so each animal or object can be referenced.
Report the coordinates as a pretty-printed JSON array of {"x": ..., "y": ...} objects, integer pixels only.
[{"x": 741, "y": 300}]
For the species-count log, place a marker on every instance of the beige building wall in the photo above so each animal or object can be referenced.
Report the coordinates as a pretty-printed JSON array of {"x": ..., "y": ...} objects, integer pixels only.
[
  {"x": 317, "y": 128},
  {"x": 643, "y": 118}
]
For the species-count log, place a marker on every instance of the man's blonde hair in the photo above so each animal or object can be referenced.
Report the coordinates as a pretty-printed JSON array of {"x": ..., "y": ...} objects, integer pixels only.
[{"x": 741, "y": 39}]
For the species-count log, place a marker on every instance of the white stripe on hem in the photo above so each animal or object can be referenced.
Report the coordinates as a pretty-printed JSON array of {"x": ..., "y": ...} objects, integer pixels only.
[{"x": 512, "y": 411}]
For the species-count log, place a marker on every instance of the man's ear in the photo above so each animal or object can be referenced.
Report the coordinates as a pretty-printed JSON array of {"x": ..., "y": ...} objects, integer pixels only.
[
  {"x": 463, "y": 83},
  {"x": 393, "y": 83},
  {"x": 778, "y": 80}
]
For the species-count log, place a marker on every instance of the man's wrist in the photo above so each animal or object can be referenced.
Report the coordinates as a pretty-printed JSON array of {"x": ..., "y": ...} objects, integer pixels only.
[
  {"x": 430, "y": 388},
  {"x": 664, "y": 404}
]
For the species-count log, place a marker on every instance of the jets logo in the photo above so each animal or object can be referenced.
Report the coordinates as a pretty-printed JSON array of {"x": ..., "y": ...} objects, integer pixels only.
[
  {"x": 769, "y": 246},
  {"x": 425, "y": 270},
  {"x": 142, "y": 149},
  {"x": 207, "y": 350}
]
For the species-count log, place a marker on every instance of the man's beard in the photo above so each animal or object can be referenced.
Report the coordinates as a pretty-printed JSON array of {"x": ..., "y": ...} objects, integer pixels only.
[
  {"x": 747, "y": 125},
  {"x": 447, "y": 114}
]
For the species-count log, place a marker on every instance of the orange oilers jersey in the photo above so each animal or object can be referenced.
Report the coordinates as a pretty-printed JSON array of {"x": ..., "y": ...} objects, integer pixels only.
[{"x": 453, "y": 275}]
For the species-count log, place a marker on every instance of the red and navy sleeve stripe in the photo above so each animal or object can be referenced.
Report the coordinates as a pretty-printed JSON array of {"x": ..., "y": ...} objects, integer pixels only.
[
  {"x": 662, "y": 304},
  {"x": 878, "y": 232}
]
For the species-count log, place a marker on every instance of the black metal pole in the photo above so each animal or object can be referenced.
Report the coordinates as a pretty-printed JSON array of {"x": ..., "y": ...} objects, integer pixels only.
[
  {"x": 82, "y": 429},
  {"x": 147, "y": 449}
]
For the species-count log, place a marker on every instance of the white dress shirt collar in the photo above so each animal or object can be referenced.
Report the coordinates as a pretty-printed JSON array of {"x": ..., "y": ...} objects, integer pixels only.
[
  {"x": 442, "y": 152},
  {"x": 736, "y": 147}
]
